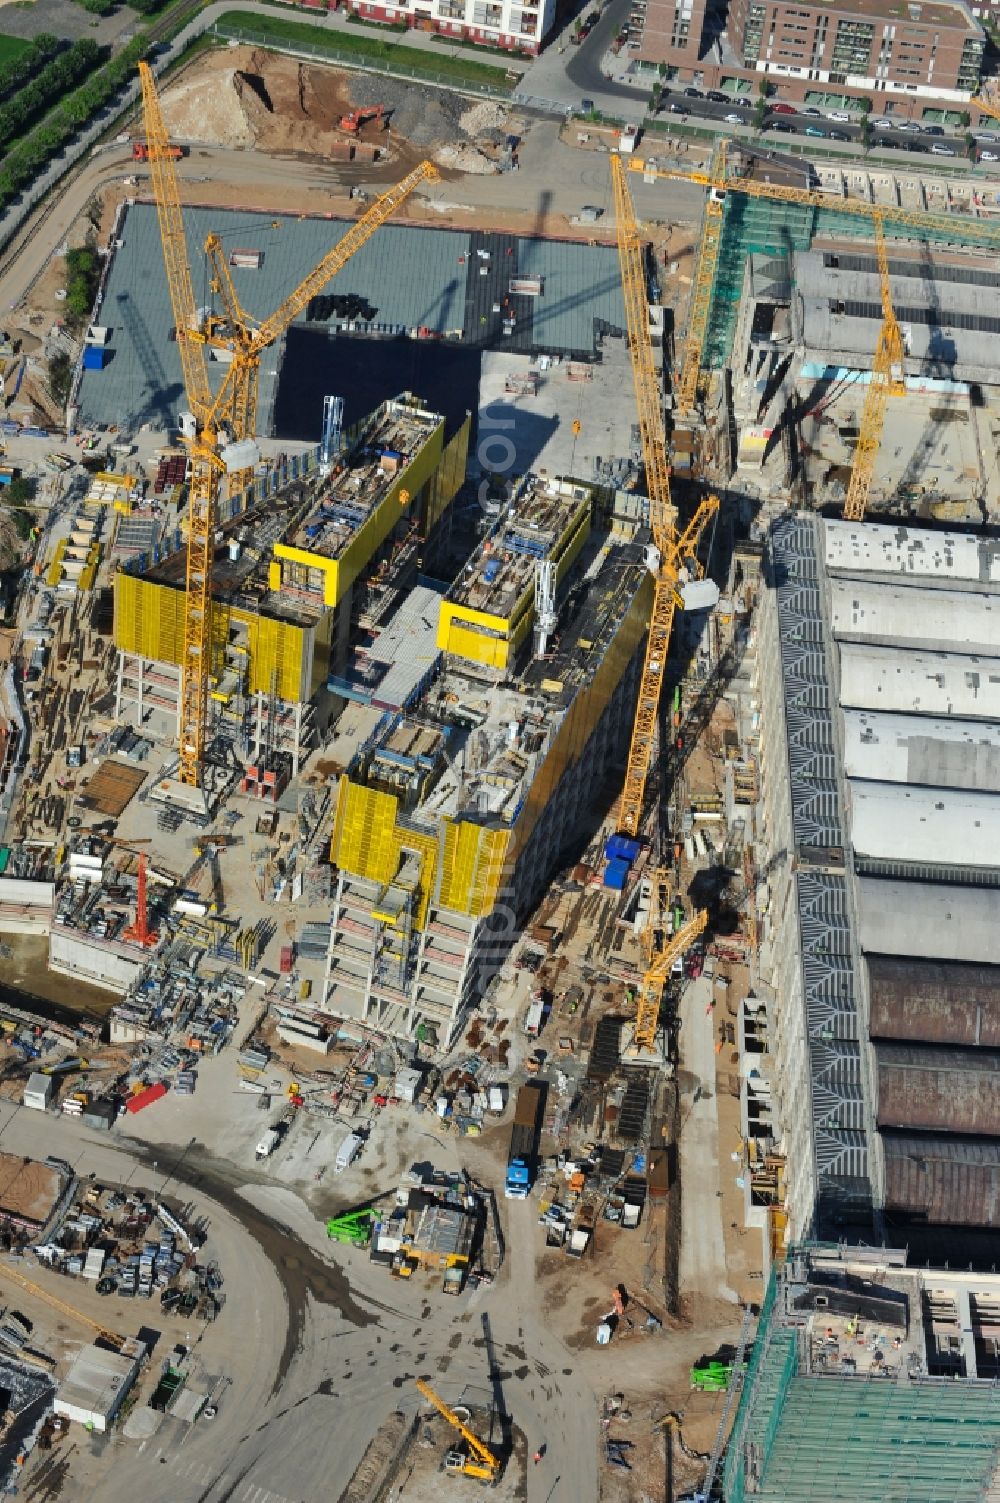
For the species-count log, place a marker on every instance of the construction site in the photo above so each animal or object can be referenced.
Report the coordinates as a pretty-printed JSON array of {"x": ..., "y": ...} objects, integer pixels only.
[{"x": 547, "y": 904}]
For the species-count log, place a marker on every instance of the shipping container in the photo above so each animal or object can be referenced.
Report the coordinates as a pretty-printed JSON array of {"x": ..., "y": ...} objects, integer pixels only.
[
  {"x": 146, "y": 1098},
  {"x": 616, "y": 874}
]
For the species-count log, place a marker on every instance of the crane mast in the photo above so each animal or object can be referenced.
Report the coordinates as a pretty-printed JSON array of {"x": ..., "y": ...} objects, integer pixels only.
[
  {"x": 231, "y": 413},
  {"x": 701, "y": 291},
  {"x": 671, "y": 550},
  {"x": 886, "y": 381}
]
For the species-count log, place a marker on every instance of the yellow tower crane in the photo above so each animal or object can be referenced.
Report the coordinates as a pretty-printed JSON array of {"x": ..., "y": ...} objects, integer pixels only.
[
  {"x": 673, "y": 553},
  {"x": 720, "y": 183},
  {"x": 660, "y": 957},
  {"x": 702, "y": 285},
  {"x": 223, "y": 422},
  {"x": 481, "y": 1462},
  {"x": 111, "y": 1337},
  {"x": 886, "y": 381}
]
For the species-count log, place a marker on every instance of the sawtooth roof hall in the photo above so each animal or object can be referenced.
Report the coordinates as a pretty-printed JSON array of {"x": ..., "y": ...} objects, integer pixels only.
[{"x": 878, "y": 669}]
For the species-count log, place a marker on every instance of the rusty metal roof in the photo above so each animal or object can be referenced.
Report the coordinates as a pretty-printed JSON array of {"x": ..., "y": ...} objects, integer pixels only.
[
  {"x": 934, "y": 1002},
  {"x": 947, "y": 1181},
  {"x": 943, "y": 1090}
]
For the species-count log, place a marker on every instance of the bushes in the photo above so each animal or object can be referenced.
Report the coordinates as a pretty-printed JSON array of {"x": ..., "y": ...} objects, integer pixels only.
[{"x": 83, "y": 272}]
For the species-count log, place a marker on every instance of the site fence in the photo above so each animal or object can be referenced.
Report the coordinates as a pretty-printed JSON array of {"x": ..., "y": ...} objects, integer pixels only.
[{"x": 329, "y": 52}]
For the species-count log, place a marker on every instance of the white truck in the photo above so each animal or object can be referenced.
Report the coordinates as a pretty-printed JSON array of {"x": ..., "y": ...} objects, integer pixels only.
[
  {"x": 347, "y": 1152},
  {"x": 268, "y": 1143}
]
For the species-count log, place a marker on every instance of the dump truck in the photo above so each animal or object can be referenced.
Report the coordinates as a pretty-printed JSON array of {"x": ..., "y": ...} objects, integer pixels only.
[{"x": 523, "y": 1143}]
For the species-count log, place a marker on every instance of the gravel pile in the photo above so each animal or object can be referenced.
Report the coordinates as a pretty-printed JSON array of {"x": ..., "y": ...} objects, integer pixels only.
[{"x": 424, "y": 115}]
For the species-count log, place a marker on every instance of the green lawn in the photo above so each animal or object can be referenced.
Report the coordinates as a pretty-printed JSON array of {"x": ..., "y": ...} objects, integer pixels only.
[
  {"x": 11, "y": 47},
  {"x": 340, "y": 44}
]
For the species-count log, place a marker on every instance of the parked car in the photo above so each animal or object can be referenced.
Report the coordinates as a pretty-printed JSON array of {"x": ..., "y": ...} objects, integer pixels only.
[
  {"x": 837, "y": 135},
  {"x": 693, "y": 94},
  {"x": 718, "y": 98},
  {"x": 987, "y": 135},
  {"x": 989, "y": 156},
  {"x": 940, "y": 150},
  {"x": 789, "y": 130},
  {"x": 733, "y": 119},
  {"x": 908, "y": 125},
  {"x": 837, "y": 115},
  {"x": 813, "y": 130},
  {"x": 883, "y": 123},
  {"x": 676, "y": 109},
  {"x": 783, "y": 109},
  {"x": 810, "y": 112},
  {"x": 933, "y": 130}
]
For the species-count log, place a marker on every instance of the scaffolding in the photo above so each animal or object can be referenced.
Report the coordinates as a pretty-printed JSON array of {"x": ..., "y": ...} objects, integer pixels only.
[
  {"x": 805, "y": 1436},
  {"x": 774, "y": 227}
]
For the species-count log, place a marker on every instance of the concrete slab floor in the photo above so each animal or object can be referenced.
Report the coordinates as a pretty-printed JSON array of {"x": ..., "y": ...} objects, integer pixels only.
[
  {"x": 702, "y": 1270},
  {"x": 536, "y": 432}
]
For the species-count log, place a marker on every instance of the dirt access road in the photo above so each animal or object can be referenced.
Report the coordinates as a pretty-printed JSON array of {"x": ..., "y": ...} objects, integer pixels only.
[
  {"x": 316, "y": 1352},
  {"x": 554, "y": 183}
]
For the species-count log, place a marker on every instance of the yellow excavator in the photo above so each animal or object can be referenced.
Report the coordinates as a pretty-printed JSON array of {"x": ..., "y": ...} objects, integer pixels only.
[{"x": 477, "y": 1460}]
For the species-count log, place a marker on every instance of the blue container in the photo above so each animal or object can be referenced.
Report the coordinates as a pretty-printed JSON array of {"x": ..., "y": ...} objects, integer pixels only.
[
  {"x": 93, "y": 357},
  {"x": 624, "y": 846},
  {"x": 616, "y": 874}
]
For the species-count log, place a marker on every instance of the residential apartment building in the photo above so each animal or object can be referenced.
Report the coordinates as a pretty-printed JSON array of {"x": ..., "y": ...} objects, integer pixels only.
[
  {"x": 924, "y": 51},
  {"x": 933, "y": 50},
  {"x": 518, "y": 25}
]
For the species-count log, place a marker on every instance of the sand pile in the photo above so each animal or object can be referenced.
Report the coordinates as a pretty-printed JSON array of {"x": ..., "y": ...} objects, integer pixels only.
[{"x": 207, "y": 107}]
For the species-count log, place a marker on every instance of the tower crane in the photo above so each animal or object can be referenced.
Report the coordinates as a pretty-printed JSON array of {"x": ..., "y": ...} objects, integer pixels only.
[
  {"x": 481, "y": 1462},
  {"x": 720, "y": 184},
  {"x": 672, "y": 553},
  {"x": 111, "y": 1337},
  {"x": 886, "y": 381},
  {"x": 659, "y": 960},
  {"x": 223, "y": 422},
  {"x": 701, "y": 289}
]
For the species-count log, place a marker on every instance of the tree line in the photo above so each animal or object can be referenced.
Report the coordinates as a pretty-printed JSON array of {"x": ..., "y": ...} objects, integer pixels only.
[
  {"x": 56, "y": 79},
  {"x": 19, "y": 69},
  {"x": 29, "y": 156}
]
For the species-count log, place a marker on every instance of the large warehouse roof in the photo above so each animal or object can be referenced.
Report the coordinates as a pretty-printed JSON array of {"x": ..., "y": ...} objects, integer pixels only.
[
  {"x": 932, "y": 826},
  {"x": 919, "y": 683},
  {"x": 934, "y": 1090},
  {"x": 929, "y": 1002},
  {"x": 414, "y": 278},
  {"x": 932, "y": 920},
  {"x": 943, "y": 1180},
  {"x": 905, "y": 616},
  {"x": 943, "y": 557},
  {"x": 919, "y": 749}
]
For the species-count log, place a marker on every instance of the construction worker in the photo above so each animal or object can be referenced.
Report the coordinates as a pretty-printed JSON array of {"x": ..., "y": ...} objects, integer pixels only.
[{"x": 538, "y": 1455}]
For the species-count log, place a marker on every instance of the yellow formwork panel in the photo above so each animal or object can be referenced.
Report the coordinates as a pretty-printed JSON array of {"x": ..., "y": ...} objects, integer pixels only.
[
  {"x": 426, "y": 847},
  {"x": 489, "y": 870},
  {"x": 456, "y": 635},
  {"x": 149, "y": 620},
  {"x": 366, "y": 841},
  {"x": 447, "y": 479},
  {"x": 458, "y": 865},
  {"x": 54, "y": 574}
]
